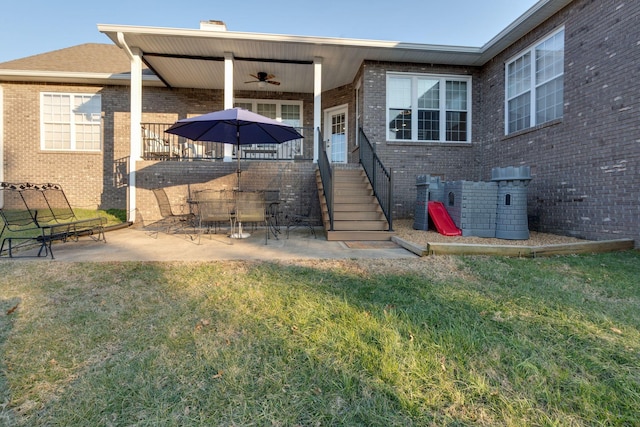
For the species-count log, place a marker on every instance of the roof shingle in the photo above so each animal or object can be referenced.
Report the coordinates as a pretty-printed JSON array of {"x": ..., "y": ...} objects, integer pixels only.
[{"x": 84, "y": 58}]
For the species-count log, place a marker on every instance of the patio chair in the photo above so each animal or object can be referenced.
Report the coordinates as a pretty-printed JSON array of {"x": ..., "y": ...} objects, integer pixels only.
[
  {"x": 172, "y": 221},
  {"x": 213, "y": 208},
  {"x": 250, "y": 208},
  {"x": 273, "y": 211},
  {"x": 304, "y": 219}
]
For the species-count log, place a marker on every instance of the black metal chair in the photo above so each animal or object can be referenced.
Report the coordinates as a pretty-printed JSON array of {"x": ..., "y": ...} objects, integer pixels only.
[
  {"x": 171, "y": 221},
  {"x": 306, "y": 219}
]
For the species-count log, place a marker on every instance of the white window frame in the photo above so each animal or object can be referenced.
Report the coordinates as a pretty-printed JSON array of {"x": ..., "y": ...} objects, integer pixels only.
[
  {"x": 72, "y": 123},
  {"x": 278, "y": 103},
  {"x": 533, "y": 85},
  {"x": 443, "y": 78}
]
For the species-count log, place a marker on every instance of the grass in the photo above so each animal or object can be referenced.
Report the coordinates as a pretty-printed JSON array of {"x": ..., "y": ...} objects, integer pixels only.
[{"x": 442, "y": 341}]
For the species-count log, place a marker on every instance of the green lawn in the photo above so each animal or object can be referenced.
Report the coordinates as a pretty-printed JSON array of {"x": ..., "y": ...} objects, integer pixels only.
[{"x": 442, "y": 341}]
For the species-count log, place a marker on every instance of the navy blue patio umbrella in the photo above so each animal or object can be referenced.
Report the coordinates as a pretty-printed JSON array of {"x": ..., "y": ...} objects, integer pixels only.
[{"x": 234, "y": 126}]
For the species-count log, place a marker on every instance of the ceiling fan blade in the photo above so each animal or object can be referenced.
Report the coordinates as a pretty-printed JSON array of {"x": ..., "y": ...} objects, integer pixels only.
[
  {"x": 253, "y": 81},
  {"x": 269, "y": 77},
  {"x": 254, "y": 76},
  {"x": 273, "y": 82}
]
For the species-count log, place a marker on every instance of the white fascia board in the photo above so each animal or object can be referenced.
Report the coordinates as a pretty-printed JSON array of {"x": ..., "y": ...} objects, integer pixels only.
[
  {"x": 112, "y": 30},
  {"x": 74, "y": 77}
]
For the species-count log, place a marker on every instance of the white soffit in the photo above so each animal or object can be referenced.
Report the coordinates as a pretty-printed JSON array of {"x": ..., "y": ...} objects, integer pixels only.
[{"x": 193, "y": 58}]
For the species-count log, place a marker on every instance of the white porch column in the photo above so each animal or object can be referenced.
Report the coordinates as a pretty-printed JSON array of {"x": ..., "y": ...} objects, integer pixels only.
[
  {"x": 228, "y": 97},
  {"x": 317, "y": 105},
  {"x": 135, "y": 135}
]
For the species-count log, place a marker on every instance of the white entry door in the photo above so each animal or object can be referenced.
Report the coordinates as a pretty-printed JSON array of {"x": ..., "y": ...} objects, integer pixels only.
[{"x": 335, "y": 131}]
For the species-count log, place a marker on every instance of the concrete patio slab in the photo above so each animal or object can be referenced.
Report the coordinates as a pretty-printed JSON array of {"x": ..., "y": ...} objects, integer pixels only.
[{"x": 131, "y": 244}]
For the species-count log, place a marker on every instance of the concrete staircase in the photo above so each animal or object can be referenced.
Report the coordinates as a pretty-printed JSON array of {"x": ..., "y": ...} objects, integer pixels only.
[{"x": 357, "y": 214}]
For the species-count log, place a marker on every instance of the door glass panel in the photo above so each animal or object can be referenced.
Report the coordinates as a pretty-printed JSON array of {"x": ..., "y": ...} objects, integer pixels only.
[{"x": 338, "y": 138}]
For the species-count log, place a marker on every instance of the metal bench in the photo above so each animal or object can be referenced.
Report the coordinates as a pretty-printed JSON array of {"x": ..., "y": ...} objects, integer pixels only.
[{"x": 40, "y": 214}]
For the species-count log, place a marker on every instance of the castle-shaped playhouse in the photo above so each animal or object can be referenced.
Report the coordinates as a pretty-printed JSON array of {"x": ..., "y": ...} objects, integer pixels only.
[{"x": 484, "y": 209}]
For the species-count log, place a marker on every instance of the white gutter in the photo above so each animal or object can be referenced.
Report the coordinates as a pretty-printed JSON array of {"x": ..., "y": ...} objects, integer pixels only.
[
  {"x": 75, "y": 77},
  {"x": 135, "y": 122}
]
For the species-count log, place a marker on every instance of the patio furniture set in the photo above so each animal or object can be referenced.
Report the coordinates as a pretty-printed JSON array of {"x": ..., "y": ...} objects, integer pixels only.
[
  {"x": 38, "y": 215},
  {"x": 210, "y": 210}
]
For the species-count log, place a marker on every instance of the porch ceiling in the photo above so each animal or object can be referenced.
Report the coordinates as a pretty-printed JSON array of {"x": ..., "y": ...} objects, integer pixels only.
[{"x": 193, "y": 58}]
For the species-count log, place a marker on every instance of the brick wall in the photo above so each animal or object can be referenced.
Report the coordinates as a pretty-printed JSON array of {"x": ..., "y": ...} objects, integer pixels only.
[
  {"x": 295, "y": 181},
  {"x": 585, "y": 177},
  {"x": 450, "y": 161},
  {"x": 83, "y": 176}
]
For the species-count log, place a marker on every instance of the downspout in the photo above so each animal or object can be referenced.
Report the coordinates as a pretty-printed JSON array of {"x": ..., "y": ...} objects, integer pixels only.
[{"x": 135, "y": 122}]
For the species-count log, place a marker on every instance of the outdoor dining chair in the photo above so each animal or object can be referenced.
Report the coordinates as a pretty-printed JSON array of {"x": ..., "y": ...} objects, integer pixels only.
[
  {"x": 213, "y": 208},
  {"x": 172, "y": 221},
  {"x": 250, "y": 208},
  {"x": 306, "y": 219}
]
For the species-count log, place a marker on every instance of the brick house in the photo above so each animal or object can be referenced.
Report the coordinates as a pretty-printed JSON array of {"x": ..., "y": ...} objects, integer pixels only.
[{"x": 557, "y": 90}]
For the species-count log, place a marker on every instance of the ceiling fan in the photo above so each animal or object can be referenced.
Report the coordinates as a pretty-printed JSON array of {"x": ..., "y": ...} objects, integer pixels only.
[{"x": 263, "y": 78}]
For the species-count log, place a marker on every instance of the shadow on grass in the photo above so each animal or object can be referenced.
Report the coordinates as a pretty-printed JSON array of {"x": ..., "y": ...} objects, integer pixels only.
[{"x": 236, "y": 343}]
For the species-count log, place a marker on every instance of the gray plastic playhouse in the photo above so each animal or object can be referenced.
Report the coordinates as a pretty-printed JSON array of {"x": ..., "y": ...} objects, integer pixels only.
[{"x": 497, "y": 208}]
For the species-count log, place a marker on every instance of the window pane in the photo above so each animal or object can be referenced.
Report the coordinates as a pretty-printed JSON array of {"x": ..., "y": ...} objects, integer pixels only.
[
  {"x": 520, "y": 112},
  {"x": 56, "y": 108},
  {"x": 244, "y": 105},
  {"x": 291, "y": 114},
  {"x": 267, "y": 110},
  {"x": 456, "y": 95},
  {"x": 428, "y": 94},
  {"x": 400, "y": 124},
  {"x": 399, "y": 93},
  {"x": 87, "y": 137},
  {"x": 549, "y": 101},
  {"x": 71, "y": 121},
  {"x": 428, "y": 125},
  {"x": 57, "y": 136},
  {"x": 519, "y": 76},
  {"x": 456, "y": 126},
  {"x": 550, "y": 58}
]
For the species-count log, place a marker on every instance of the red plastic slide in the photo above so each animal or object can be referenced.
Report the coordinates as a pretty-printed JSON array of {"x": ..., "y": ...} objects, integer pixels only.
[{"x": 441, "y": 219}]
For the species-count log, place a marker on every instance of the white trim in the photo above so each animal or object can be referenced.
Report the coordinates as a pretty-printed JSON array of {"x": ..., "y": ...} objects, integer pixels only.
[
  {"x": 327, "y": 127},
  {"x": 277, "y": 102},
  {"x": 442, "y": 102},
  {"x": 531, "y": 49},
  {"x": 73, "y": 143},
  {"x": 533, "y": 45}
]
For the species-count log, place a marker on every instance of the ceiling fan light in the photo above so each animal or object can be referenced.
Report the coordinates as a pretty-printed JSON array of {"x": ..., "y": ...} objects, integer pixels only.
[{"x": 262, "y": 84}]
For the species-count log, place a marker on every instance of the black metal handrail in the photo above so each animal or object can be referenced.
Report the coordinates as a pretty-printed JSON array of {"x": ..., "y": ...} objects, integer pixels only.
[
  {"x": 159, "y": 145},
  {"x": 380, "y": 177},
  {"x": 326, "y": 175}
]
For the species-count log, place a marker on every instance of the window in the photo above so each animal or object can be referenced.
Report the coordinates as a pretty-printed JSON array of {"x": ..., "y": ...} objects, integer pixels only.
[
  {"x": 289, "y": 112},
  {"x": 428, "y": 108},
  {"x": 70, "y": 121},
  {"x": 535, "y": 85}
]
